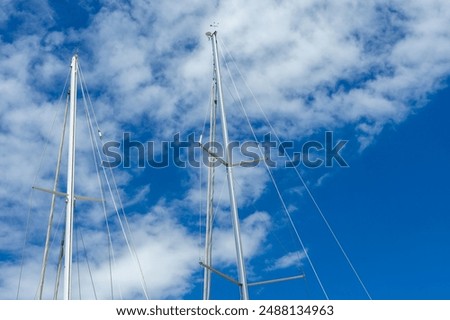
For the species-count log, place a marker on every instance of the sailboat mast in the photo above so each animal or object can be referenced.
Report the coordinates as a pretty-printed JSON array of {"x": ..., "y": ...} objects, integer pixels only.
[
  {"x": 70, "y": 201},
  {"x": 230, "y": 178}
]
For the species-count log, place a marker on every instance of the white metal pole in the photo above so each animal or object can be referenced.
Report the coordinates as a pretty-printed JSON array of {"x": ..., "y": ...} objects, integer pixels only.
[
  {"x": 70, "y": 181},
  {"x": 230, "y": 178}
]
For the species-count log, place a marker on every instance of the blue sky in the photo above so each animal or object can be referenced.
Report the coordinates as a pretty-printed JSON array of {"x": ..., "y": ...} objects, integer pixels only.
[{"x": 374, "y": 73}]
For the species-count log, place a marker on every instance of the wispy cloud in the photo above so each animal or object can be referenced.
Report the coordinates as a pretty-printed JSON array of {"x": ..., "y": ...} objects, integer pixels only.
[{"x": 291, "y": 259}]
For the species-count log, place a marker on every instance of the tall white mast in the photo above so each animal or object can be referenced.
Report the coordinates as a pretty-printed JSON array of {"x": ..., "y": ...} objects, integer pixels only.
[
  {"x": 210, "y": 200},
  {"x": 70, "y": 181},
  {"x": 229, "y": 169}
]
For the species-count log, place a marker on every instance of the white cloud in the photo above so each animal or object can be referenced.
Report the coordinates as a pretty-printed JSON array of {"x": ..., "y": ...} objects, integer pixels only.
[
  {"x": 168, "y": 254},
  {"x": 254, "y": 227},
  {"x": 299, "y": 59},
  {"x": 291, "y": 259}
]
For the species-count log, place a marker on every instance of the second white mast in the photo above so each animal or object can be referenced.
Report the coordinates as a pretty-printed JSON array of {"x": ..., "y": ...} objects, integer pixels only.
[
  {"x": 242, "y": 274},
  {"x": 70, "y": 181}
]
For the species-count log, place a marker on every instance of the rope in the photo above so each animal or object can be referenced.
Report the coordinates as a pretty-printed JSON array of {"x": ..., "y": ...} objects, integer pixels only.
[{"x": 301, "y": 179}]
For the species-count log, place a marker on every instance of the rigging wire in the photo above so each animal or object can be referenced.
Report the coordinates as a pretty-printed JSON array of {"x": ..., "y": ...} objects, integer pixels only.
[
  {"x": 78, "y": 263},
  {"x": 61, "y": 254},
  {"x": 319, "y": 210},
  {"x": 30, "y": 197},
  {"x": 200, "y": 222},
  {"x": 53, "y": 201},
  {"x": 87, "y": 264},
  {"x": 277, "y": 188},
  {"x": 96, "y": 157},
  {"x": 58, "y": 227},
  {"x": 241, "y": 186},
  {"x": 59, "y": 269},
  {"x": 116, "y": 203},
  {"x": 111, "y": 254},
  {"x": 130, "y": 242}
]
